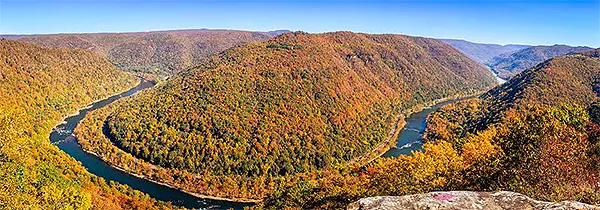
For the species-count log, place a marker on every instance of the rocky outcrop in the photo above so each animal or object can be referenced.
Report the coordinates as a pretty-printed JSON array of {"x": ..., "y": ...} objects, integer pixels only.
[{"x": 463, "y": 200}]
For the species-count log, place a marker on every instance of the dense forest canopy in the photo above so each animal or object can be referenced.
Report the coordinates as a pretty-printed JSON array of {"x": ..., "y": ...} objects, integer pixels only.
[
  {"x": 293, "y": 104},
  {"x": 537, "y": 134},
  {"x": 546, "y": 120},
  {"x": 159, "y": 52},
  {"x": 39, "y": 86}
]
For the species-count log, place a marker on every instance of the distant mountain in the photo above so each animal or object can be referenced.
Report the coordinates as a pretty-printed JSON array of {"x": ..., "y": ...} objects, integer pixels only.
[
  {"x": 564, "y": 79},
  {"x": 538, "y": 131},
  {"x": 569, "y": 79},
  {"x": 261, "y": 112},
  {"x": 482, "y": 53},
  {"x": 277, "y": 32},
  {"x": 9, "y": 36},
  {"x": 507, "y": 65},
  {"x": 159, "y": 52},
  {"x": 546, "y": 122}
]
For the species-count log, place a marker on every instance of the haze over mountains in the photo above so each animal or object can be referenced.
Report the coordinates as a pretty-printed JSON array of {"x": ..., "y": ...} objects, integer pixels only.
[
  {"x": 507, "y": 65},
  {"x": 509, "y": 60},
  {"x": 165, "y": 53},
  {"x": 161, "y": 53},
  {"x": 483, "y": 53}
]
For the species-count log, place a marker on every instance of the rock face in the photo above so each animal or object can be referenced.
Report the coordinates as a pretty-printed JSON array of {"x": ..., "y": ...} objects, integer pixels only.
[{"x": 463, "y": 200}]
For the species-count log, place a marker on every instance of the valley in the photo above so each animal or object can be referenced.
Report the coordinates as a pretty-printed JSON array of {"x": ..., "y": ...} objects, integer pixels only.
[
  {"x": 35, "y": 173},
  {"x": 62, "y": 137},
  {"x": 159, "y": 105},
  {"x": 262, "y": 178},
  {"x": 89, "y": 135},
  {"x": 507, "y": 61},
  {"x": 531, "y": 133}
]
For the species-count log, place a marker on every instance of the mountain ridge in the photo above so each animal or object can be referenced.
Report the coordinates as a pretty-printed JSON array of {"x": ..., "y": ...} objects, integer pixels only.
[
  {"x": 482, "y": 52},
  {"x": 273, "y": 110},
  {"x": 162, "y": 53},
  {"x": 537, "y": 134},
  {"x": 507, "y": 65}
]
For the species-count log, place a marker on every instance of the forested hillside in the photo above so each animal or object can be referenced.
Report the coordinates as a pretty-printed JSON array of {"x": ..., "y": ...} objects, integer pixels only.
[
  {"x": 38, "y": 87},
  {"x": 537, "y": 134},
  {"x": 545, "y": 120},
  {"x": 510, "y": 64},
  {"x": 159, "y": 52},
  {"x": 483, "y": 53},
  {"x": 258, "y": 114}
]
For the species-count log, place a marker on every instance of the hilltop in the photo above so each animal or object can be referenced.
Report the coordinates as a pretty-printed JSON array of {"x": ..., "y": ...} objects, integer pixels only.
[
  {"x": 259, "y": 115},
  {"x": 162, "y": 53},
  {"x": 537, "y": 134}
]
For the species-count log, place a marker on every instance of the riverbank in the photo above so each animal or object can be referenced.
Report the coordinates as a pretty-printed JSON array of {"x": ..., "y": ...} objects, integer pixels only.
[
  {"x": 89, "y": 105},
  {"x": 400, "y": 123},
  {"x": 108, "y": 163},
  {"x": 197, "y": 195},
  {"x": 99, "y": 144}
]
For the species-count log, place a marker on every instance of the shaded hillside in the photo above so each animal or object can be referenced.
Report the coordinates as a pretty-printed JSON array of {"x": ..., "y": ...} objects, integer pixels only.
[
  {"x": 509, "y": 64},
  {"x": 294, "y": 104},
  {"x": 482, "y": 53},
  {"x": 38, "y": 87},
  {"x": 159, "y": 52},
  {"x": 543, "y": 140}
]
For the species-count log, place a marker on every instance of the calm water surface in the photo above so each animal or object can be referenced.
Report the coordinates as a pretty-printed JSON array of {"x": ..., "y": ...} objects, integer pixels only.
[
  {"x": 410, "y": 137},
  {"x": 62, "y": 137}
]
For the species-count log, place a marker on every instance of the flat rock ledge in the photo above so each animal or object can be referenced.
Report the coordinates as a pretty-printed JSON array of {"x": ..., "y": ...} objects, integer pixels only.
[{"x": 463, "y": 200}]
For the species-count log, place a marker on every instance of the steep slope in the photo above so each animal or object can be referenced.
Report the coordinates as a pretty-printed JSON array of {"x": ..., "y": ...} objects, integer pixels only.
[
  {"x": 544, "y": 120},
  {"x": 537, "y": 134},
  {"x": 482, "y": 53},
  {"x": 509, "y": 64},
  {"x": 38, "y": 87},
  {"x": 296, "y": 103},
  {"x": 566, "y": 79},
  {"x": 571, "y": 79},
  {"x": 159, "y": 52}
]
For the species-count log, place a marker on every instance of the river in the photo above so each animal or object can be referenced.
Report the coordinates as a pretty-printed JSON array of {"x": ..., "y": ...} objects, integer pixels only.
[
  {"x": 500, "y": 80},
  {"x": 62, "y": 136},
  {"x": 410, "y": 137}
]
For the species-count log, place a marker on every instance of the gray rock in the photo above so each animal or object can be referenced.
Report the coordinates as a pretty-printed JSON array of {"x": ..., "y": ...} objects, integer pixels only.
[{"x": 463, "y": 200}]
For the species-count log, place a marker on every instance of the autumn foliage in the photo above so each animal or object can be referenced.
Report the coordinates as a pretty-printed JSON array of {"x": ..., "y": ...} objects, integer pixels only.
[
  {"x": 257, "y": 115},
  {"x": 536, "y": 134},
  {"x": 161, "y": 53},
  {"x": 39, "y": 86}
]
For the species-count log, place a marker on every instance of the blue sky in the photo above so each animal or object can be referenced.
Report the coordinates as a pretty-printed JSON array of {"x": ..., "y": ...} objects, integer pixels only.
[{"x": 575, "y": 22}]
